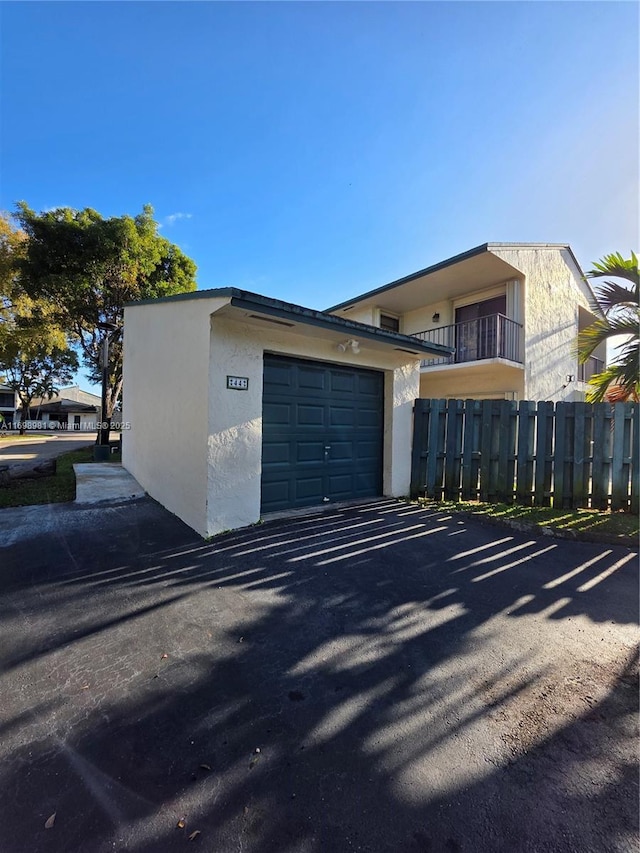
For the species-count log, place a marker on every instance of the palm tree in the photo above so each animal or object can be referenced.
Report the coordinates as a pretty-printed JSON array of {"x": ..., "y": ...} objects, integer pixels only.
[{"x": 618, "y": 309}]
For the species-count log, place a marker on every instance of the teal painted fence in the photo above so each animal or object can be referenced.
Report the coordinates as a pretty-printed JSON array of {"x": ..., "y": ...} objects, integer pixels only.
[{"x": 566, "y": 455}]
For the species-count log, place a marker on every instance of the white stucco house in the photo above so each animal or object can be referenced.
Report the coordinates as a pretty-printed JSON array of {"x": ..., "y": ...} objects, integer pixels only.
[
  {"x": 276, "y": 406},
  {"x": 8, "y": 405},
  {"x": 511, "y": 313},
  {"x": 70, "y": 409}
]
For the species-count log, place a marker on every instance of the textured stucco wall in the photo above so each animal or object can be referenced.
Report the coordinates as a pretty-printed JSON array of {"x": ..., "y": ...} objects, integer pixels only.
[
  {"x": 475, "y": 381},
  {"x": 359, "y": 314},
  {"x": 166, "y": 380},
  {"x": 421, "y": 320},
  {"x": 553, "y": 292},
  {"x": 235, "y": 417}
]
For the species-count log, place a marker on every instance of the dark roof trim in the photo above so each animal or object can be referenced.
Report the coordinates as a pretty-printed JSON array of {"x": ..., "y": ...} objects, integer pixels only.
[
  {"x": 296, "y": 313},
  {"x": 478, "y": 250},
  {"x": 456, "y": 259},
  {"x": 254, "y": 302},
  {"x": 64, "y": 405}
]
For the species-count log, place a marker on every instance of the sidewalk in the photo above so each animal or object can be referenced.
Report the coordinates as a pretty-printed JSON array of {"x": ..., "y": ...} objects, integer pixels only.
[{"x": 105, "y": 482}]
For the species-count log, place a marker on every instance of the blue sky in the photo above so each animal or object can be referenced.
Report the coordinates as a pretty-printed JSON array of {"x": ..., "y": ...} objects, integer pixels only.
[{"x": 311, "y": 151}]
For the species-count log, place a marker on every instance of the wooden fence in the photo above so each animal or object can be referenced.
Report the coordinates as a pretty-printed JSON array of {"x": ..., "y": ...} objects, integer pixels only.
[{"x": 565, "y": 455}]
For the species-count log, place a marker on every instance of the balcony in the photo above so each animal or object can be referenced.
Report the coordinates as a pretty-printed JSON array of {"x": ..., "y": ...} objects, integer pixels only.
[
  {"x": 592, "y": 366},
  {"x": 494, "y": 336}
]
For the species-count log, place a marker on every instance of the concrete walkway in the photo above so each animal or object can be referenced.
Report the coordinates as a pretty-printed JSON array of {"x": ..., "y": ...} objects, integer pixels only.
[{"x": 106, "y": 482}]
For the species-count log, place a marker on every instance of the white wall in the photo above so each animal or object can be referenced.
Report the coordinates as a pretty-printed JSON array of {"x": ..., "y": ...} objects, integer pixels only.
[
  {"x": 235, "y": 417},
  {"x": 166, "y": 380},
  {"x": 553, "y": 292}
]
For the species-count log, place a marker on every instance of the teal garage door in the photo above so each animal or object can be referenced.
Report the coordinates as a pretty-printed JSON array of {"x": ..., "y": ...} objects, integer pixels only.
[{"x": 322, "y": 428}]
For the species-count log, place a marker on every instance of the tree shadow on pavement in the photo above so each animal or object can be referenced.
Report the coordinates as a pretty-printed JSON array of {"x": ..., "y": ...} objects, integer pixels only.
[{"x": 381, "y": 678}]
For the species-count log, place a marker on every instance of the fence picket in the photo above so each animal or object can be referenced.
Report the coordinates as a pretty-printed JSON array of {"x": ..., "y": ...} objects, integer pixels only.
[
  {"x": 504, "y": 488},
  {"x": 485, "y": 450},
  {"x": 635, "y": 460},
  {"x": 419, "y": 448},
  {"x": 453, "y": 451},
  {"x": 574, "y": 454},
  {"x": 560, "y": 455},
  {"x": 544, "y": 443},
  {"x": 579, "y": 485},
  {"x": 618, "y": 486},
  {"x": 468, "y": 485},
  {"x": 524, "y": 476}
]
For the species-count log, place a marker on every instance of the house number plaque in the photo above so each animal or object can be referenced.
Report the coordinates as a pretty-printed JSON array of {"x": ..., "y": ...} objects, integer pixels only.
[{"x": 238, "y": 383}]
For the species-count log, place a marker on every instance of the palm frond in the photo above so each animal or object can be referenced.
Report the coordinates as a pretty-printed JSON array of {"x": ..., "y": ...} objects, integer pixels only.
[
  {"x": 612, "y": 296},
  {"x": 615, "y": 264},
  {"x": 618, "y": 376}
]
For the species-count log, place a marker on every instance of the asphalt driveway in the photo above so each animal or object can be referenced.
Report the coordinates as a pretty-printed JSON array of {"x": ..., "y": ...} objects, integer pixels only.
[{"x": 381, "y": 678}]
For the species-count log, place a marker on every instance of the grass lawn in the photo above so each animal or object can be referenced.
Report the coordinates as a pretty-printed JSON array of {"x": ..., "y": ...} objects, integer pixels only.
[
  {"x": 590, "y": 521},
  {"x": 59, "y": 487}
]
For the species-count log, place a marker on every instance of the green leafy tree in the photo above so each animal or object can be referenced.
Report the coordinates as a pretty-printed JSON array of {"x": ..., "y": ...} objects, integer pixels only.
[
  {"x": 34, "y": 355},
  {"x": 617, "y": 307},
  {"x": 90, "y": 267},
  {"x": 34, "y": 368}
]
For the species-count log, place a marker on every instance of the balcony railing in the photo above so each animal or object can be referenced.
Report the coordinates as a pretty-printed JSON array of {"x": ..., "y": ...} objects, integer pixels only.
[
  {"x": 592, "y": 366},
  {"x": 494, "y": 336}
]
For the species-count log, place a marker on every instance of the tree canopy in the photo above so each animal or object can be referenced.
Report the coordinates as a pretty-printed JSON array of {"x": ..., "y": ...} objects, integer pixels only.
[
  {"x": 89, "y": 267},
  {"x": 617, "y": 306}
]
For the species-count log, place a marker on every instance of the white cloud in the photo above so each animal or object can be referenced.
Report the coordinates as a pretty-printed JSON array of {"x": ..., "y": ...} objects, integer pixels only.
[{"x": 174, "y": 217}]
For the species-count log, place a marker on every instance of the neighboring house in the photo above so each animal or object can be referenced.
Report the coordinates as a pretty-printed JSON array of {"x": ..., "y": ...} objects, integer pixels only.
[
  {"x": 240, "y": 405},
  {"x": 8, "y": 405},
  {"x": 72, "y": 409},
  {"x": 510, "y": 312}
]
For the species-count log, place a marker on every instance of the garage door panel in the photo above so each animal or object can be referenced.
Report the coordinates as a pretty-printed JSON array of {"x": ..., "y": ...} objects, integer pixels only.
[
  {"x": 279, "y": 375},
  {"x": 276, "y": 453},
  {"x": 367, "y": 417},
  {"x": 307, "y": 408},
  {"x": 309, "y": 451},
  {"x": 366, "y": 450},
  {"x": 369, "y": 384},
  {"x": 366, "y": 483},
  {"x": 310, "y": 415},
  {"x": 276, "y": 414},
  {"x": 309, "y": 488},
  {"x": 341, "y": 416},
  {"x": 341, "y": 451},
  {"x": 311, "y": 378},
  {"x": 341, "y": 486},
  {"x": 342, "y": 383},
  {"x": 277, "y": 493}
]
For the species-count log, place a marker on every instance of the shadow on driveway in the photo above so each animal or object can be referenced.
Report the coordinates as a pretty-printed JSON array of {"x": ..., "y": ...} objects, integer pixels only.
[{"x": 378, "y": 678}]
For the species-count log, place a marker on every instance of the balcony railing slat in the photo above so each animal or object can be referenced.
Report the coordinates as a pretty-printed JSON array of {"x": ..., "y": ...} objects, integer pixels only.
[{"x": 494, "y": 336}]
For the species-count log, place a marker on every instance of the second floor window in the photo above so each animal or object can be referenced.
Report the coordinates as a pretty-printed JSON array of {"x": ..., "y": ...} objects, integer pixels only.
[{"x": 391, "y": 324}]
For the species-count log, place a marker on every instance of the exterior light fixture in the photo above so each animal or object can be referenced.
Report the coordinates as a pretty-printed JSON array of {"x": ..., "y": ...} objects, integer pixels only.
[
  {"x": 435, "y": 318},
  {"x": 354, "y": 346},
  {"x": 570, "y": 377}
]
